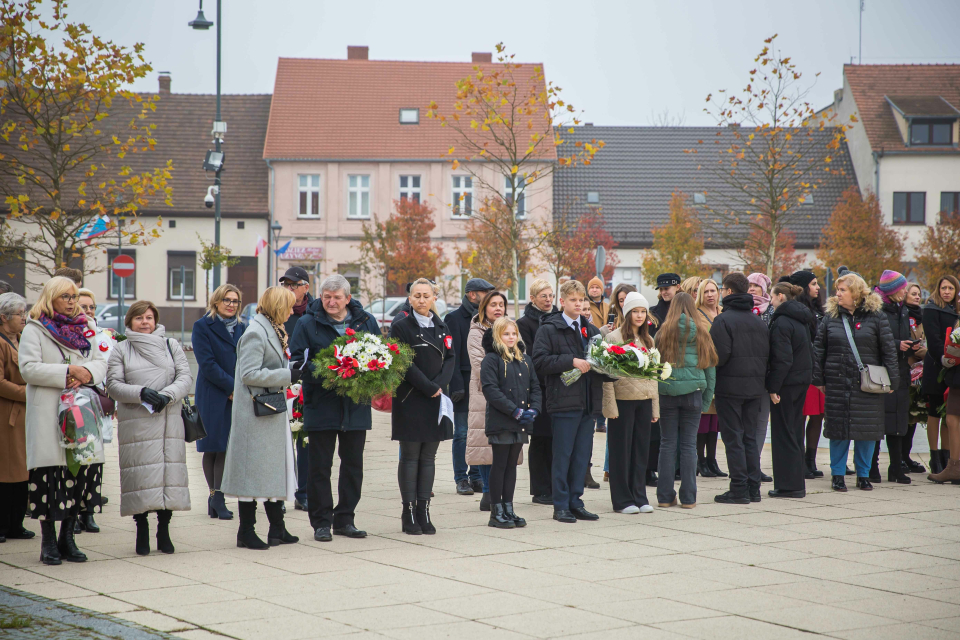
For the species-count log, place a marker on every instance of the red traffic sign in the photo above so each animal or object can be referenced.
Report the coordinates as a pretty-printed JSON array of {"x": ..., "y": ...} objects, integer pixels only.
[{"x": 123, "y": 266}]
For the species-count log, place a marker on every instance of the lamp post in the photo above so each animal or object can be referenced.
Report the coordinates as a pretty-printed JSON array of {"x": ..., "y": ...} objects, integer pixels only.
[
  {"x": 276, "y": 228},
  {"x": 219, "y": 128}
]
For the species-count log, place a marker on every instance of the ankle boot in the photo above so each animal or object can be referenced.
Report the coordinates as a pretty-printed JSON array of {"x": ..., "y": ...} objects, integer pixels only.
[
  {"x": 49, "y": 554},
  {"x": 936, "y": 466},
  {"x": 423, "y": 517},
  {"x": 143, "y": 534},
  {"x": 246, "y": 534},
  {"x": 87, "y": 523},
  {"x": 508, "y": 511},
  {"x": 66, "y": 545},
  {"x": 950, "y": 474},
  {"x": 810, "y": 467},
  {"x": 704, "y": 470},
  {"x": 589, "y": 482},
  {"x": 163, "y": 531},
  {"x": 944, "y": 458},
  {"x": 897, "y": 473},
  {"x": 220, "y": 507},
  {"x": 278, "y": 533},
  {"x": 409, "y": 520},
  {"x": 210, "y": 510},
  {"x": 717, "y": 472},
  {"x": 485, "y": 501},
  {"x": 498, "y": 518}
]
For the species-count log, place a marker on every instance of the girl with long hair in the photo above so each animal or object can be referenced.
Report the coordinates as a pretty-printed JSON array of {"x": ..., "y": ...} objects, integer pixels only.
[
  {"x": 708, "y": 306},
  {"x": 813, "y": 405},
  {"x": 939, "y": 314}
]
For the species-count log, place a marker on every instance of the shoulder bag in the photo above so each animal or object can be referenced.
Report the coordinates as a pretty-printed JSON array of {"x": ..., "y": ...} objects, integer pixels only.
[
  {"x": 193, "y": 429},
  {"x": 873, "y": 378}
]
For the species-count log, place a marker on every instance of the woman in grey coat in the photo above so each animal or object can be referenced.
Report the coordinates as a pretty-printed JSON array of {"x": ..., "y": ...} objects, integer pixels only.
[
  {"x": 148, "y": 376},
  {"x": 259, "y": 465}
]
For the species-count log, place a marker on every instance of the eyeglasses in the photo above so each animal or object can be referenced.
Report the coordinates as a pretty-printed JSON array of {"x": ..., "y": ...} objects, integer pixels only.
[
  {"x": 232, "y": 302},
  {"x": 69, "y": 298},
  {"x": 88, "y": 307},
  {"x": 294, "y": 285}
]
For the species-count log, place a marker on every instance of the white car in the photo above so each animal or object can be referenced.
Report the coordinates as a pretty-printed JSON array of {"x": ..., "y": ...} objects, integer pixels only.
[{"x": 384, "y": 313}]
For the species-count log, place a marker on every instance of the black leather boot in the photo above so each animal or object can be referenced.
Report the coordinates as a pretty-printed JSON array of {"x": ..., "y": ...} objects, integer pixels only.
[
  {"x": 143, "y": 534},
  {"x": 588, "y": 480},
  {"x": 704, "y": 470},
  {"x": 278, "y": 533},
  {"x": 498, "y": 517},
  {"x": 423, "y": 517},
  {"x": 485, "y": 502},
  {"x": 246, "y": 534},
  {"x": 49, "y": 554},
  {"x": 517, "y": 520},
  {"x": 717, "y": 471},
  {"x": 409, "y": 519},
  {"x": 66, "y": 545},
  {"x": 936, "y": 466},
  {"x": 87, "y": 523},
  {"x": 219, "y": 507},
  {"x": 163, "y": 531}
]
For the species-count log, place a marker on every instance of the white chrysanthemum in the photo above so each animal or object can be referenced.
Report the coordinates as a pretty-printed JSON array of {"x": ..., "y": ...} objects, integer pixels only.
[
  {"x": 667, "y": 371},
  {"x": 296, "y": 425}
]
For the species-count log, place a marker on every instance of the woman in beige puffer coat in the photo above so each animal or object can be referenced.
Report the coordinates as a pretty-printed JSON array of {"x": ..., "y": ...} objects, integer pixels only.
[{"x": 148, "y": 369}]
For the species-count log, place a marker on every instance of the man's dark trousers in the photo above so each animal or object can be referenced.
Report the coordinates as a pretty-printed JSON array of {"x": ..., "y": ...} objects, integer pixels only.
[
  {"x": 572, "y": 448},
  {"x": 738, "y": 428},
  {"x": 321, "y": 446},
  {"x": 303, "y": 469}
]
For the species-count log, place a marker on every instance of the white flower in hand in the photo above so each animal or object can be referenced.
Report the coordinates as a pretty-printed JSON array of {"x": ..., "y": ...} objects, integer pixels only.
[{"x": 667, "y": 371}]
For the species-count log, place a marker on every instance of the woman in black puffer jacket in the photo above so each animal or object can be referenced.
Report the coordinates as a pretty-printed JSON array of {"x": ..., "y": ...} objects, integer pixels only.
[
  {"x": 939, "y": 314},
  {"x": 852, "y": 414}
]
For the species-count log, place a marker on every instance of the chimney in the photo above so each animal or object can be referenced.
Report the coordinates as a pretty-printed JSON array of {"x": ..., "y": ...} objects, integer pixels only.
[
  {"x": 164, "y": 78},
  {"x": 478, "y": 57},
  {"x": 358, "y": 53}
]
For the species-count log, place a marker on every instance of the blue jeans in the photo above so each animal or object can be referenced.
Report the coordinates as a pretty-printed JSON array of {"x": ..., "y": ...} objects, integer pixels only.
[
  {"x": 460, "y": 469},
  {"x": 484, "y": 471},
  {"x": 862, "y": 456},
  {"x": 572, "y": 449}
]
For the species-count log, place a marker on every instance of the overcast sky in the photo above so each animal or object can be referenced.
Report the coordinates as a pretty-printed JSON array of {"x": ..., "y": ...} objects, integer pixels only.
[{"x": 618, "y": 61}]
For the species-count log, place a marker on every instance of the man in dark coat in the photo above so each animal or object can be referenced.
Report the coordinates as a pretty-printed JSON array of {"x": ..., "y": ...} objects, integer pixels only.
[
  {"x": 743, "y": 346},
  {"x": 297, "y": 280},
  {"x": 540, "y": 451},
  {"x": 559, "y": 347},
  {"x": 328, "y": 417},
  {"x": 458, "y": 322}
]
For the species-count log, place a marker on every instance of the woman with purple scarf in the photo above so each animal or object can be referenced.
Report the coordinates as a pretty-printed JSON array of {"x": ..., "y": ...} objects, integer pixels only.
[{"x": 56, "y": 353}]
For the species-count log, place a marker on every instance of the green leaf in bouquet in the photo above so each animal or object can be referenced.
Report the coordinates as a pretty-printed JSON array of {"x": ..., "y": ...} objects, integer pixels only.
[{"x": 72, "y": 463}]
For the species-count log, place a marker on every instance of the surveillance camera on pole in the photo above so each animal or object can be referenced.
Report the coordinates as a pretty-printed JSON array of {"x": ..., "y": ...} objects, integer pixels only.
[{"x": 212, "y": 191}]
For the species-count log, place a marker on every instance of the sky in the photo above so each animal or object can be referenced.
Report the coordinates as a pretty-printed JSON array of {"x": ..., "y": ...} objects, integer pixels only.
[{"x": 620, "y": 62}]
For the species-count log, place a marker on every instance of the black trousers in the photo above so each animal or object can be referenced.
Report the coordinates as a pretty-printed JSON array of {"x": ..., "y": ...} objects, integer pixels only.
[
  {"x": 738, "y": 428},
  {"x": 503, "y": 471},
  {"x": 653, "y": 459},
  {"x": 788, "y": 439},
  {"x": 320, "y": 446},
  {"x": 895, "y": 445},
  {"x": 13, "y": 506},
  {"x": 628, "y": 439},
  {"x": 540, "y": 460},
  {"x": 908, "y": 441},
  {"x": 417, "y": 468}
]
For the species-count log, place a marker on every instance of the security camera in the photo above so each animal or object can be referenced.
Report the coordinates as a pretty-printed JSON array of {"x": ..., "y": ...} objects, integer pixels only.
[{"x": 211, "y": 192}]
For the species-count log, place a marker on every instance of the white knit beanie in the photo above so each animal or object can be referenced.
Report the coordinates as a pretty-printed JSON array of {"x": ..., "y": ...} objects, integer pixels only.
[{"x": 632, "y": 301}]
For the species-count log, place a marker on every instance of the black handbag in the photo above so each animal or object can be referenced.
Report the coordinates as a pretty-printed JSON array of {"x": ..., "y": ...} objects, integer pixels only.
[
  {"x": 269, "y": 404},
  {"x": 192, "y": 424}
]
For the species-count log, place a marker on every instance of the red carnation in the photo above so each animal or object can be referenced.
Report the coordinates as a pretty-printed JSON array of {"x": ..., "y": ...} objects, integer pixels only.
[
  {"x": 617, "y": 349},
  {"x": 349, "y": 340},
  {"x": 297, "y": 414},
  {"x": 104, "y": 347},
  {"x": 373, "y": 365},
  {"x": 89, "y": 333},
  {"x": 393, "y": 347},
  {"x": 583, "y": 332},
  {"x": 350, "y": 332}
]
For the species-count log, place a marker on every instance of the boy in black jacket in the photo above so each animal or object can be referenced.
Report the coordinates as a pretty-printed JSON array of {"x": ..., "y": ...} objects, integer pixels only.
[{"x": 560, "y": 346}]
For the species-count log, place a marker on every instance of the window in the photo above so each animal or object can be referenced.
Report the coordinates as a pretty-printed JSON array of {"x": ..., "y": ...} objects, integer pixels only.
[
  {"x": 521, "y": 201},
  {"x": 909, "y": 207},
  {"x": 129, "y": 283},
  {"x": 240, "y": 224},
  {"x": 181, "y": 286},
  {"x": 410, "y": 116},
  {"x": 358, "y": 196},
  {"x": 807, "y": 199},
  {"x": 593, "y": 197},
  {"x": 949, "y": 203},
  {"x": 173, "y": 224},
  {"x": 309, "y": 196},
  {"x": 700, "y": 198},
  {"x": 462, "y": 196},
  {"x": 352, "y": 273},
  {"x": 938, "y": 132},
  {"x": 410, "y": 188}
]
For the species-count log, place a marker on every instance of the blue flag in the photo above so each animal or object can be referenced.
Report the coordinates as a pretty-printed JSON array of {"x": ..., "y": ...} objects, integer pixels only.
[{"x": 283, "y": 249}]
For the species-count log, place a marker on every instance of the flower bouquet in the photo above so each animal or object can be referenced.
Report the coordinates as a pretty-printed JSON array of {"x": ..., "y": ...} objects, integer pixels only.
[
  {"x": 79, "y": 419},
  {"x": 621, "y": 361},
  {"x": 363, "y": 366}
]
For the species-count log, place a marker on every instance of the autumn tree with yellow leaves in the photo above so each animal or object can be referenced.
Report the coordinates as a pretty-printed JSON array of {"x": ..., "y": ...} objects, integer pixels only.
[{"x": 677, "y": 245}]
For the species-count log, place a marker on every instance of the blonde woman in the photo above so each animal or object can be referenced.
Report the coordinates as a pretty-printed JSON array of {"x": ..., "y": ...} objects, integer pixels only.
[
  {"x": 259, "y": 466},
  {"x": 708, "y": 306},
  {"x": 56, "y": 353}
]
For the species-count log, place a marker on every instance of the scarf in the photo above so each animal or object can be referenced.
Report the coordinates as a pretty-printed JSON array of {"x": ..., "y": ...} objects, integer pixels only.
[
  {"x": 469, "y": 306},
  {"x": 230, "y": 323},
  {"x": 300, "y": 308},
  {"x": 67, "y": 331},
  {"x": 281, "y": 332},
  {"x": 761, "y": 303}
]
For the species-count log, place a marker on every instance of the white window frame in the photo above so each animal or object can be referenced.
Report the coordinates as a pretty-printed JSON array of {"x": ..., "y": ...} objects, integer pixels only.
[
  {"x": 359, "y": 190},
  {"x": 406, "y": 112},
  {"x": 508, "y": 194},
  {"x": 411, "y": 192},
  {"x": 593, "y": 202},
  {"x": 456, "y": 192},
  {"x": 189, "y": 274},
  {"x": 309, "y": 189}
]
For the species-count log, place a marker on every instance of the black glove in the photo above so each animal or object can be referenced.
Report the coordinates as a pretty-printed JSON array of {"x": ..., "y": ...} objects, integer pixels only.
[
  {"x": 164, "y": 401},
  {"x": 153, "y": 398},
  {"x": 295, "y": 375},
  {"x": 458, "y": 395}
]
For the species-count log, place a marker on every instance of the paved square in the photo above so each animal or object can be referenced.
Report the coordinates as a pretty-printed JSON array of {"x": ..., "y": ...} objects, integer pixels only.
[{"x": 880, "y": 564}]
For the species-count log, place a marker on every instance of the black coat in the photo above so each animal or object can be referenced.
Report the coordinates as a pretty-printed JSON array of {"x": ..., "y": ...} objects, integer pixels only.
[
  {"x": 415, "y": 410},
  {"x": 897, "y": 404},
  {"x": 743, "y": 346},
  {"x": 458, "y": 322},
  {"x": 507, "y": 386},
  {"x": 791, "y": 352},
  {"x": 323, "y": 409},
  {"x": 291, "y": 324},
  {"x": 850, "y": 413},
  {"x": 936, "y": 321},
  {"x": 529, "y": 324},
  {"x": 660, "y": 311},
  {"x": 554, "y": 349}
]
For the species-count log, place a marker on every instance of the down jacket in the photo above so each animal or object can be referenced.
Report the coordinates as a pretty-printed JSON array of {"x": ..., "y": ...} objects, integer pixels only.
[
  {"x": 850, "y": 413},
  {"x": 627, "y": 388},
  {"x": 897, "y": 404},
  {"x": 686, "y": 377},
  {"x": 153, "y": 454},
  {"x": 791, "y": 354},
  {"x": 743, "y": 346},
  {"x": 478, "y": 448},
  {"x": 507, "y": 386}
]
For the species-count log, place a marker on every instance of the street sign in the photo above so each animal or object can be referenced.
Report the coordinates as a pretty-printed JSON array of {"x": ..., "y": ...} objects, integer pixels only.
[
  {"x": 123, "y": 266},
  {"x": 601, "y": 261}
]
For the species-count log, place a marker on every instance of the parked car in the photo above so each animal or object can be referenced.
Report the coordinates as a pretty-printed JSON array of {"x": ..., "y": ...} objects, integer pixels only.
[
  {"x": 108, "y": 315},
  {"x": 384, "y": 313},
  {"x": 247, "y": 314}
]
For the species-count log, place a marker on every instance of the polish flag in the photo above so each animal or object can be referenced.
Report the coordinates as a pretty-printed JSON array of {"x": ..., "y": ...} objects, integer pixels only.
[{"x": 261, "y": 245}]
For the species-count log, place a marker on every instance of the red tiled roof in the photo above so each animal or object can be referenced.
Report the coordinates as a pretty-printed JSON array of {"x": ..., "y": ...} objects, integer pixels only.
[
  {"x": 349, "y": 109},
  {"x": 871, "y": 83}
]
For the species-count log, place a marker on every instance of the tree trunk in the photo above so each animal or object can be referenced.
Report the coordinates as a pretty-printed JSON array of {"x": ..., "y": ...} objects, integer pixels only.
[
  {"x": 771, "y": 256},
  {"x": 516, "y": 283}
]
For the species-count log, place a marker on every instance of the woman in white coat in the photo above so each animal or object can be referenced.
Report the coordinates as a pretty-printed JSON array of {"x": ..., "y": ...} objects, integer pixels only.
[
  {"x": 149, "y": 376},
  {"x": 259, "y": 465},
  {"x": 56, "y": 353}
]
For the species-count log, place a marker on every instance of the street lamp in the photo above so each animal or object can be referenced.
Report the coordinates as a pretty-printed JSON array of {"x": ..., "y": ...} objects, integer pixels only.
[
  {"x": 276, "y": 228},
  {"x": 219, "y": 128}
]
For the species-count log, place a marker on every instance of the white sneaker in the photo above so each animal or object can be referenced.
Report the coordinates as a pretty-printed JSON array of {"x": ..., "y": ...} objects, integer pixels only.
[
  {"x": 632, "y": 509},
  {"x": 646, "y": 509}
]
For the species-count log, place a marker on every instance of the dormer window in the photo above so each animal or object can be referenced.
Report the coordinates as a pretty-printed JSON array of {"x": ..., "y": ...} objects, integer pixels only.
[
  {"x": 934, "y": 132},
  {"x": 925, "y": 120},
  {"x": 593, "y": 197},
  {"x": 410, "y": 116},
  {"x": 699, "y": 198}
]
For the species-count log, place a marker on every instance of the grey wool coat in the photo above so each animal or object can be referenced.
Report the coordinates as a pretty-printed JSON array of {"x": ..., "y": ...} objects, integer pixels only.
[
  {"x": 153, "y": 454},
  {"x": 256, "y": 452}
]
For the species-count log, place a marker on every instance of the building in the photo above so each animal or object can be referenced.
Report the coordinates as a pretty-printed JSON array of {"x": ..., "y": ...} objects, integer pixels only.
[
  {"x": 904, "y": 144},
  {"x": 634, "y": 177},
  {"x": 347, "y": 138}
]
